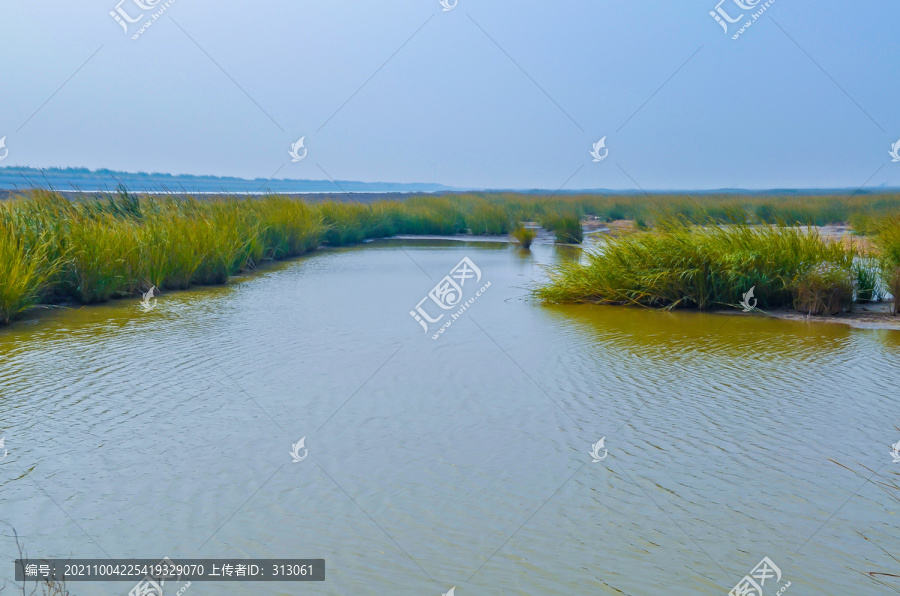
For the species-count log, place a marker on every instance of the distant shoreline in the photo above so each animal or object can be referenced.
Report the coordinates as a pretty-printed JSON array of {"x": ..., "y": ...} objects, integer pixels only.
[
  {"x": 367, "y": 196},
  {"x": 80, "y": 180}
]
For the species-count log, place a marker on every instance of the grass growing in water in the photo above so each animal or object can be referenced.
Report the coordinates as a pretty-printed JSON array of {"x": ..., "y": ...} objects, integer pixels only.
[
  {"x": 681, "y": 265},
  {"x": 868, "y": 282},
  {"x": 825, "y": 289},
  {"x": 566, "y": 227},
  {"x": 55, "y": 250},
  {"x": 887, "y": 241},
  {"x": 523, "y": 236},
  {"x": 488, "y": 218},
  {"x": 24, "y": 272}
]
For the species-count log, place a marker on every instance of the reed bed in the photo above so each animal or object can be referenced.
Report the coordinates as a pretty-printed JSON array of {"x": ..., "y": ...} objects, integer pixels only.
[
  {"x": 887, "y": 242},
  {"x": 566, "y": 226},
  {"x": 861, "y": 210},
  {"x": 56, "y": 250},
  {"x": 679, "y": 264},
  {"x": 53, "y": 250}
]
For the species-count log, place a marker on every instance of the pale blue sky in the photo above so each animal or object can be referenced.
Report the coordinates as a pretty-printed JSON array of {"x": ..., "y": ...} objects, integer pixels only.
[{"x": 496, "y": 94}]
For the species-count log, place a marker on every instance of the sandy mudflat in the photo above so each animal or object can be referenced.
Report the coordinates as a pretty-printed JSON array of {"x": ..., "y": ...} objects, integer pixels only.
[{"x": 864, "y": 316}]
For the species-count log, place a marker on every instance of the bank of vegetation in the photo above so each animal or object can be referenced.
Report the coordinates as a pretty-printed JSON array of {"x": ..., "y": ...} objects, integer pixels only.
[{"x": 57, "y": 250}]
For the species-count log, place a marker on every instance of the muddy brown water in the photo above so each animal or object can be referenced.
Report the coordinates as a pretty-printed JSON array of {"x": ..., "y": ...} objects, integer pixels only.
[{"x": 459, "y": 461}]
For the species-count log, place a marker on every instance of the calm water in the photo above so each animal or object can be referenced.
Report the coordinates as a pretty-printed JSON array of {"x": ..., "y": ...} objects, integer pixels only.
[{"x": 462, "y": 461}]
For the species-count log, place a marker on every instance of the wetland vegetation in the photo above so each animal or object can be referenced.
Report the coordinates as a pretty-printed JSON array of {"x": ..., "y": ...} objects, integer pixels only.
[
  {"x": 679, "y": 263},
  {"x": 56, "y": 250}
]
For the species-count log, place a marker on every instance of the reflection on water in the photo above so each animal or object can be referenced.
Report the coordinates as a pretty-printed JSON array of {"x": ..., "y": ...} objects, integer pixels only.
[
  {"x": 460, "y": 461},
  {"x": 567, "y": 253}
]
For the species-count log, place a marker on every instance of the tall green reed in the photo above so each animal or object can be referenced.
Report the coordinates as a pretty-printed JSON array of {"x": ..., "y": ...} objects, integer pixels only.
[
  {"x": 25, "y": 270},
  {"x": 682, "y": 265}
]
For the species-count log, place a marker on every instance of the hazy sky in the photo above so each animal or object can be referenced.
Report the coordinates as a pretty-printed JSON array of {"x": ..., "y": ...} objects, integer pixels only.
[{"x": 497, "y": 94}]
